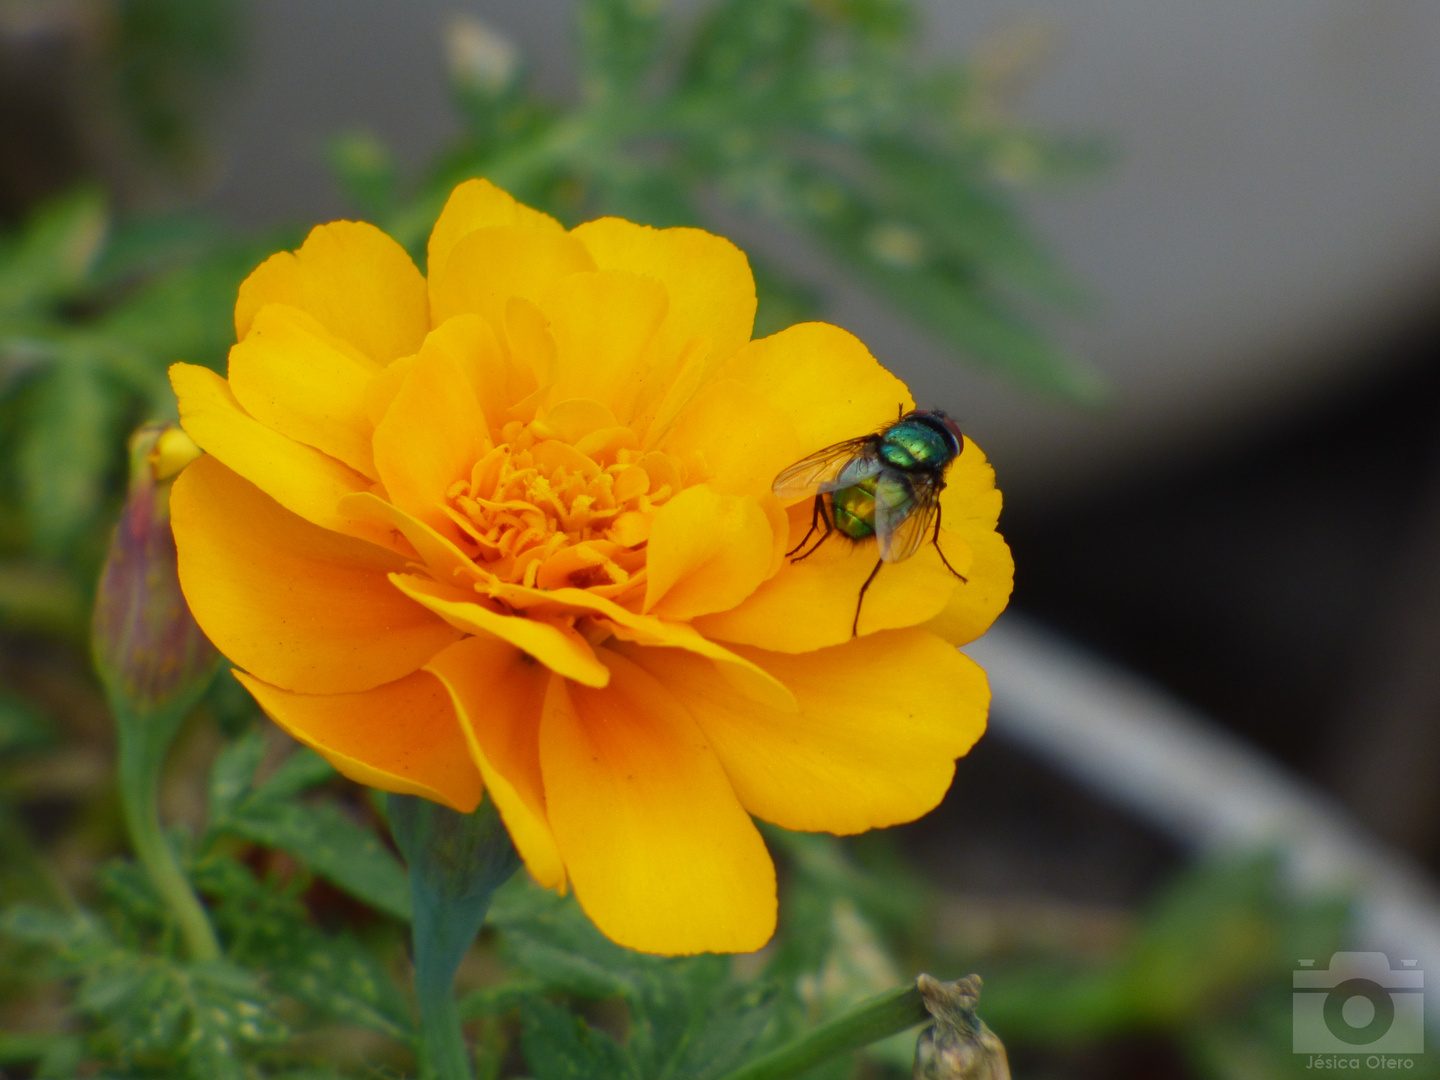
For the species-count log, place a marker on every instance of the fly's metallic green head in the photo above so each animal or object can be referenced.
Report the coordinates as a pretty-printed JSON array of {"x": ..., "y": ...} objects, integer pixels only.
[{"x": 921, "y": 441}]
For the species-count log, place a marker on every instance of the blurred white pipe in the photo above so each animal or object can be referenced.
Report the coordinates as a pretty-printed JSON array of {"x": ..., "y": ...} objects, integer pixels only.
[{"x": 1176, "y": 769}]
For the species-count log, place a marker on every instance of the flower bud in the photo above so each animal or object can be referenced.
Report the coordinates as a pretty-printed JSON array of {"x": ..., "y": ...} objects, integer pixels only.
[
  {"x": 958, "y": 1045},
  {"x": 481, "y": 60},
  {"x": 149, "y": 652}
]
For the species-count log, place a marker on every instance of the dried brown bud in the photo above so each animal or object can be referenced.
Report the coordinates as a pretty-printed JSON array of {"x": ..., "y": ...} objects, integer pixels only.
[
  {"x": 958, "y": 1045},
  {"x": 148, "y": 650}
]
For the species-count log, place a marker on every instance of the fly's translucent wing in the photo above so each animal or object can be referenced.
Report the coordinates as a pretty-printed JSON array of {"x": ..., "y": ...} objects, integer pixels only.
[
  {"x": 839, "y": 466},
  {"x": 905, "y": 509}
]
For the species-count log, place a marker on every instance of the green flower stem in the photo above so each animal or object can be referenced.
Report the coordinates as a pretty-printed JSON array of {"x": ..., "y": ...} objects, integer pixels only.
[
  {"x": 878, "y": 1018},
  {"x": 446, "y": 1054},
  {"x": 142, "y": 753},
  {"x": 456, "y": 862}
]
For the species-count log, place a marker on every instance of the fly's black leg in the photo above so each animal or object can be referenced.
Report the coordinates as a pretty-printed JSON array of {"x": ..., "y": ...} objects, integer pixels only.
[
  {"x": 936, "y": 541},
  {"x": 829, "y": 528},
  {"x": 855, "y": 626},
  {"x": 814, "y": 517}
]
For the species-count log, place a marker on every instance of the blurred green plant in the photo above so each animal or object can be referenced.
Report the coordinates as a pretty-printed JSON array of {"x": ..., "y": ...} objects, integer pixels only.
[
  {"x": 91, "y": 314},
  {"x": 170, "y": 58}
]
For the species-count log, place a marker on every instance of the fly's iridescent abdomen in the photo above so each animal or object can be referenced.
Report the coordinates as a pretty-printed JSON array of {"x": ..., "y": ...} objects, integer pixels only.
[{"x": 854, "y": 510}]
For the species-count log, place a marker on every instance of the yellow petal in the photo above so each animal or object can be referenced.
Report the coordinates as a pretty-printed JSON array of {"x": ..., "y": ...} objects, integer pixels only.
[
  {"x": 970, "y": 494},
  {"x": 498, "y": 692},
  {"x": 554, "y": 644},
  {"x": 497, "y": 380},
  {"x": 823, "y": 379},
  {"x": 489, "y": 266},
  {"x": 402, "y": 737},
  {"x": 881, "y": 721},
  {"x": 301, "y": 607},
  {"x": 380, "y": 391},
  {"x": 557, "y": 604},
  {"x": 479, "y": 204},
  {"x": 531, "y": 348},
  {"x": 432, "y": 434},
  {"x": 811, "y": 604},
  {"x": 970, "y": 508},
  {"x": 707, "y": 552},
  {"x": 572, "y": 420},
  {"x": 662, "y": 856},
  {"x": 445, "y": 561},
  {"x": 740, "y": 438},
  {"x": 708, "y": 280},
  {"x": 299, "y": 478},
  {"x": 602, "y": 325},
  {"x": 744, "y": 675},
  {"x": 975, "y": 604},
  {"x": 297, "y": 378},
  {"x": 359, "y": 284}
]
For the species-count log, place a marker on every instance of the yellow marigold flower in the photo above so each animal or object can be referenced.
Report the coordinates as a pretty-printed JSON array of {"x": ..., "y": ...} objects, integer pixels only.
[{"x": 512, "y": 527}]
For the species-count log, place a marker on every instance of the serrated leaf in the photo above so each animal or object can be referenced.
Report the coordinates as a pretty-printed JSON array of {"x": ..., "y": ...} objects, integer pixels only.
[
  {"x": 332, "y": 974},
  {"x": 341, "y": 979},
  {"x": 988, "y": 333},
  {"x": 618, "y": 39},
  {"x": 956, "y": 212},
  {"x": 498, "y": 1000},
  {"x": 299, "y": 772},
  {"x": 54, "y": 252},
  {"x": 550, "y": 938},
  {"x": 129, "y": 888},
  {"x": 233, "y": 772},
  {"x": 57, "y": 930},
  {"x": 331, "y": 845},
  {"x": 65, "y": 452},
  {"x": 560, "y": 1046}
]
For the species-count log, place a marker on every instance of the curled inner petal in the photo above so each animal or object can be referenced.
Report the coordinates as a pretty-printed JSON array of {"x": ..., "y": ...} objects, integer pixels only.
[{"x": 541, "y": 513}]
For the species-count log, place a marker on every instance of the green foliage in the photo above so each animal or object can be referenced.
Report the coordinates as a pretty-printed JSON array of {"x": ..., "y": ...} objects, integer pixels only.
[
  {"x": 152, "y": 1015},
  {"x": 568, "y": 1000},
  {"x": 91, "y": 315},
  {"x": 149, "y": 1013},
  {"x": 321, "y": 836},
  {"x": 688, "y": 1017}
]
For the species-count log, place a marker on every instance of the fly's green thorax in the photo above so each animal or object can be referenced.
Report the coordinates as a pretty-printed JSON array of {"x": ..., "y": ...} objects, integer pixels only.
[
  {"x": 913, "y": 444},
  {"x": 854, "y": 510}
]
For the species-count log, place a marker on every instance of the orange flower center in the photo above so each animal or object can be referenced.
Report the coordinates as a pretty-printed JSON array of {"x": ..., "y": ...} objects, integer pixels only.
[{"x": 543, "y": 513}]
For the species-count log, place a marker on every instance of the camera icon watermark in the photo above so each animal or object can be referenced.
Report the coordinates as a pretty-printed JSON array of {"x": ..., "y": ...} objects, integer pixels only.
[{"x": 1359, "y": 1004}]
